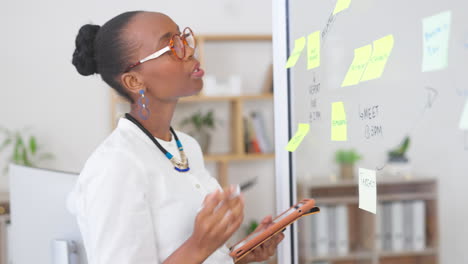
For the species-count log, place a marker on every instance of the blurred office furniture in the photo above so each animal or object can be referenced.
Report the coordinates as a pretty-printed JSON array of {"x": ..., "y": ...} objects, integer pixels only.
[
  {"x": 370, "y": 238},
  {"x": 42, "y": 230}
]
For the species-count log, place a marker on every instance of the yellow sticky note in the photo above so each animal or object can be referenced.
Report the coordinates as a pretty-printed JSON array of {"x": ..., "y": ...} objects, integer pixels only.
[
  {"x": 339, "y": 126},
  {"x": 358, "y": 66},
  {"x": 341, "y": 5},
  {"x": 381, "y": 51},
  {"x": 367, "y": 190},
  {"x": 313, "y": 50},
  {"x": 302, "y": 131},
  {"x": 299, "y": 45}
]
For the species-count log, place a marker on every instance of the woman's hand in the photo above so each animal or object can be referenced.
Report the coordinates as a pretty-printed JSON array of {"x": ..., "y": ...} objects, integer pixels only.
[
  {"x": 265, "y": 250},
  {"x": 219, "y": 218}
]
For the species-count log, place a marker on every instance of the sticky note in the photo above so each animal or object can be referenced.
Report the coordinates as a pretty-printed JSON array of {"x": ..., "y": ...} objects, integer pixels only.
[
  {"x": 313, "y": 50},
  {"x": 464, "y": 118},
  {"x": 341, "y": 5},
  {"x": 367, "y": 190},
  {"x": 338, "y": 123},
  {"x": 358, "y": 66},
  {"x": 436, "y": 34},
  {"x": 381, "y": 51},
  {"x": 299, "y": 45},
  {"x": 302, "y": 131}
]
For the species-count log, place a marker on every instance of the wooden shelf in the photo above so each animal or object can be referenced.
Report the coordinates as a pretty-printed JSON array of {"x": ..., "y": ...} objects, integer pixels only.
[
  {"x": 319, "y": 182},
  {"x": 236, "y": 157},
  {"x": 389, "y": 254},
  {"x": 380, "y": 198},
  {"x": 348, "y": 257},
  {"x": 362, "y": 225},
  {"x": 370, "y": 255}
]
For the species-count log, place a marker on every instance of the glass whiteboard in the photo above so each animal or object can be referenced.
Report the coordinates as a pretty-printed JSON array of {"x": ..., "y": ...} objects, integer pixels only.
[{"x": 369, "y": 76}]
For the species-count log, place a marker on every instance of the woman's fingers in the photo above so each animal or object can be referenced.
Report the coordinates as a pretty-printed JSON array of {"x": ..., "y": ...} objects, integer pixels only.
[
  {"x": 234, "y": 224},
  {"x": 266, "y": 221},
  {"x": 210, "y": 202}
]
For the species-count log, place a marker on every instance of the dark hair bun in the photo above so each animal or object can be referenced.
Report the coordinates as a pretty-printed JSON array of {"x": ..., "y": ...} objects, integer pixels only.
[{"x": 83, "y": 56}]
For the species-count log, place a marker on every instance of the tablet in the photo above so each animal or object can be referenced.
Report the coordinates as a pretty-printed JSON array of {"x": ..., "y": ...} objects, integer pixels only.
[{"x": 245, "y": 246}]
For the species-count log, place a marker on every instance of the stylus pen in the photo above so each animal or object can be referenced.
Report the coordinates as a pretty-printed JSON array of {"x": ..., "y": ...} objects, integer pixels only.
[{"x": 248, "y": 184}]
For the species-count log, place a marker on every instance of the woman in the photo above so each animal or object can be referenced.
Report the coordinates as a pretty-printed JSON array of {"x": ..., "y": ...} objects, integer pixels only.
[{"x": 144, "y": 196}]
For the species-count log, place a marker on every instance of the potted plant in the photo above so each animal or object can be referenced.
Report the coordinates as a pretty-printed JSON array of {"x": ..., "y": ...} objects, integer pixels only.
[
  {"x": 398, "y": 162},
  {"x": 253, "y": 224},
  {"x": 398, "y": 154},
  {"x": 24, "y": 149},
  {"x": 201, "y": 125},
  {"x": 346, "y": 159}
]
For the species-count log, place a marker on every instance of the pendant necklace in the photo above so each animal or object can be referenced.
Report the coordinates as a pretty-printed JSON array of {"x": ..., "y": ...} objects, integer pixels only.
[{"x": 181, "y": 165}]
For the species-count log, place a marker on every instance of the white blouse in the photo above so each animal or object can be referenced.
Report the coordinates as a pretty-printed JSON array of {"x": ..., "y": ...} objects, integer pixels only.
[{"x": 132, "y": 206}]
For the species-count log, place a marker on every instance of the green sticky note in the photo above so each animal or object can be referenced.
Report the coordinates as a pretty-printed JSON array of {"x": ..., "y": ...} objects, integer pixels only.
[
  {"x": 436, "y": 34},
  {"x": 464, "y": 118},
  {"x": 380, "y": 53},
  {"x": 358, "y": 66},
  {"x": 313, "y": 50},
  {"x": 299, "y": 45},
  {"x": 338, "y": 123},
  {"x": 296, "y": 140},
  {"x": 341, "y": 5}
]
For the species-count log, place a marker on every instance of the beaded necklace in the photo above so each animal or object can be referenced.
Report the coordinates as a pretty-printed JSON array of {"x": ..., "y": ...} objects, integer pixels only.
[{"x": 180, "y": 166}]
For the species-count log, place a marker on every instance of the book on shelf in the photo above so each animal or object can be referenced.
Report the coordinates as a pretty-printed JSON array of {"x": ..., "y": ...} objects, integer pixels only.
[
  {"x": 250, "y": 137},
  {"x": 342, "y": 235},
  {"x": 322, "y": 231},
  {"x": 332, "y": 236},
  {"x": 306, "y": 235},
  {"x": 255, "y": 136},
  {"x": 401, "y": 226},
  {"x": 397, "y": 226},
  {"x": 408, "y": 225},
  {"x": 328, "y": 234},
  {"x": 260, "y": 131},
  {"x": 419, "y": 225},
  {"x": 386, "y": 226},
  {"x": 313, "y": 236}
]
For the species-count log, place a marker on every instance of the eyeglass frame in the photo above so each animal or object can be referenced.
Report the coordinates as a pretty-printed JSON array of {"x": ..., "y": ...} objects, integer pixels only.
[{"x": 169, "y": 47}]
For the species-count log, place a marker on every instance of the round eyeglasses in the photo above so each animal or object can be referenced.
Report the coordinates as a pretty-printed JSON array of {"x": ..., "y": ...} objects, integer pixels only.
[{"x": 177, "y": 45}]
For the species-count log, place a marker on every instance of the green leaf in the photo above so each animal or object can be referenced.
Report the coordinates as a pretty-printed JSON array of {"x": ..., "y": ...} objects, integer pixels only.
[
  {"x": 24, "y": 157},
  {"x": 17, "y": 151},
  {"x": 252, "y": 226},
  {"x": 32, "y": 145},
  {"x": 347, "y": 156}
]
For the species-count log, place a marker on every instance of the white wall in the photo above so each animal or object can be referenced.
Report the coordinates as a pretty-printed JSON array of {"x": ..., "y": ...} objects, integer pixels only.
[{"x": 69, "y": 113}]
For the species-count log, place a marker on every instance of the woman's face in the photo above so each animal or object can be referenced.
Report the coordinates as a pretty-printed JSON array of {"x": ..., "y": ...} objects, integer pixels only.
[{"x": 165, "y": 78}]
